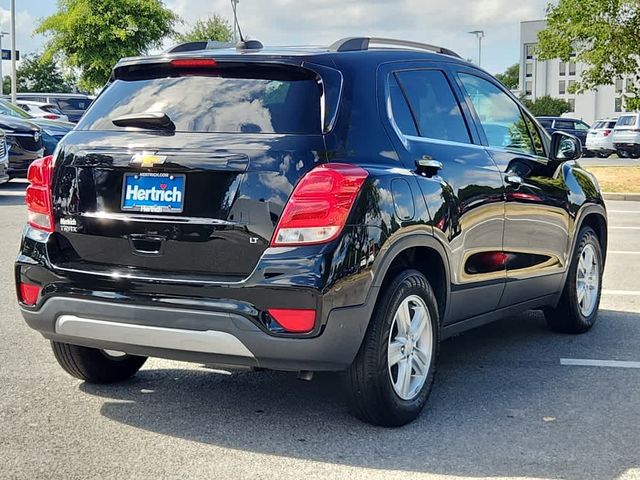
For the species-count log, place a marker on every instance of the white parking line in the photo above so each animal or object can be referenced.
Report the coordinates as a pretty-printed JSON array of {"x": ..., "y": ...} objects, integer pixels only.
[
  {"x": 578, "y": 362},
  {"x": 632, "y": 293},
  {"x": 624, "y": 211},
  {"x": 624, "y": 228}
]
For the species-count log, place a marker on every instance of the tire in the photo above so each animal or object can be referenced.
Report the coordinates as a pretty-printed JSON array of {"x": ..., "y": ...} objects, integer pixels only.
[
  {"x": 373, "y": 385},
  {"x": 575, "y": 313},
  {"x": 622, "y": 153},
  {"x": 95, "y": 366},
  {"x": 603, "y": 154}
]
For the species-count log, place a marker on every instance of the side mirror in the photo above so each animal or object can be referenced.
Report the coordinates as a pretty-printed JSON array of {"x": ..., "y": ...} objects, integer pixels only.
[{"x": 565, "y": 147}]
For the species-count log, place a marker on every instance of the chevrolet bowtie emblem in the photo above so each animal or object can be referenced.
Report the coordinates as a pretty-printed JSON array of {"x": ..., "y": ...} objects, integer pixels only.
[{"x": 145, "y": 159}]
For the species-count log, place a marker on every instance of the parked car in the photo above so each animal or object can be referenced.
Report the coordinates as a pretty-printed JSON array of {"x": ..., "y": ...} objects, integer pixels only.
[
  {"x": 47, "y": 111},
  {"x": 4, "y": 159},
  {"x": 73, "y": 105},
  {"x": 24, "y": 142},
  {"x": 626, "y": 135},
  {"x": 600, "y": 138},
  {"x": 52, "y": 130},
  {"x": 570, "y": 125},
  {"x": 342, "y": 208}
]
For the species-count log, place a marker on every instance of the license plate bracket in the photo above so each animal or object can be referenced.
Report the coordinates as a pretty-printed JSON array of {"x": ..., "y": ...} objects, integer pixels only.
[{"x": 153, "y": 192}]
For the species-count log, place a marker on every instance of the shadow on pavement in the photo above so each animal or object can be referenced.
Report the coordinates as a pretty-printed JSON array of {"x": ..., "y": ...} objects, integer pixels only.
[
  {"x": 12, "y": 193},
  {"x": 501, "y": 406}
]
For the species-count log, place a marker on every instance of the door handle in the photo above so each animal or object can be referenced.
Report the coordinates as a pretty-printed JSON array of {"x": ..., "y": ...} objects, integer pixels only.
[
  {"x": 427, "y": 163},
  {"x": 513, "y": 179}
]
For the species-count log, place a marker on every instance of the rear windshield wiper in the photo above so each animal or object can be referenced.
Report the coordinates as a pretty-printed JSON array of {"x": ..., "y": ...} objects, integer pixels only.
[{"x": 148, "y": 120}]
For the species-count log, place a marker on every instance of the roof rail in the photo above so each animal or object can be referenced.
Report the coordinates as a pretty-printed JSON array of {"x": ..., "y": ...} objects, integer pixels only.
[
  {"x": 354, "y": 44},
  {"x": 194, "y": 46}
]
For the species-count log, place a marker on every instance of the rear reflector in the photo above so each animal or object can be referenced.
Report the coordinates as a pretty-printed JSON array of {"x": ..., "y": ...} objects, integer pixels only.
[
  {"x": 294, "y": 320},
  {"x": 319, "y": 205},
  {"x": 38, "y": 194},
  {"x": 29, "y": 293},
  {"x": 193, "y": 63}
]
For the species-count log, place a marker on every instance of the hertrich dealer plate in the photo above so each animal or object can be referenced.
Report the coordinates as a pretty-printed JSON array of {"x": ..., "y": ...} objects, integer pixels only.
[{"x": 153, "y": 192}]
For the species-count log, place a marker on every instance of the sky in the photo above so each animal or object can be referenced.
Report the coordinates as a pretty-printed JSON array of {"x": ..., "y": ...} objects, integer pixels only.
[{"x": 321, "y": 22}]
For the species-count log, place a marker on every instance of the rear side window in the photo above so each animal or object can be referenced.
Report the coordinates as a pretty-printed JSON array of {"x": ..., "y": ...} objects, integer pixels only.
[
  {"x": 609, "y": 125},
  {"x": 400, "y": 109},
  {"x": 433, "y": 105},
  {"x": 545, "y": 122},
  {"x": 231, "y": 100},
  {"x": 629, "y": 120}
]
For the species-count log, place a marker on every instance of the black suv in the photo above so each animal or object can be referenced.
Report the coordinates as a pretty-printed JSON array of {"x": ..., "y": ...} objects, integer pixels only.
[{"x": 305, "y": 209}]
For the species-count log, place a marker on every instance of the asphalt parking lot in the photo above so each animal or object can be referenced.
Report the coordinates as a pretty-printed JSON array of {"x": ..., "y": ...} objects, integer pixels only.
[{"x": 508, "y": 402}]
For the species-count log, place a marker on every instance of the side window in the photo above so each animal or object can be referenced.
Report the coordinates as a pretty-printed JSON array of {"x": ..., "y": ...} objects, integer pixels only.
[
  {"x": 399, "y": 108},
  {"x": 500, "y": 117},
  {"x": 582, "y": 126},
  {"x": 546, "y": 122},
  {"x": 434, "y": 106},
  {"x": 535, "y": 135}
]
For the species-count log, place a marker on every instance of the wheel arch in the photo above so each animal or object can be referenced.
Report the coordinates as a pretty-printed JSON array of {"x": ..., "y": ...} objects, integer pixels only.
[{"x": 421, "y": 252}]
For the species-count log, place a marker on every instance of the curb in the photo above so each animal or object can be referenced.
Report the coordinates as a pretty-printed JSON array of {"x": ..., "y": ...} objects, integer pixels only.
[{"x": 634, "y": 197}]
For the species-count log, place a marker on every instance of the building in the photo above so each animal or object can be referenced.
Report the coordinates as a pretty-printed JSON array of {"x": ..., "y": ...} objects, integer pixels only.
[{"x": 554, "y": 78}]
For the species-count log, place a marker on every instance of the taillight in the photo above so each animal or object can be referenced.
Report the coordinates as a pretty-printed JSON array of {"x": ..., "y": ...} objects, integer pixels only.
[
  {"x": 51, "y": 116},
  {"x": 319, "y": 205},
  {"x": 193, "y": 63},
  {"x": 606, "y": 133},
  {"x": 38, "y": 194},
  {"x": 294, "y": 320},
  {"x": 29, "y": 293}
]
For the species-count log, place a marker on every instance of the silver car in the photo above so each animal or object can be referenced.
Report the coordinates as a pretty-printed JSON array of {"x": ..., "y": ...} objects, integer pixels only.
[{"x": 626, "y": 135}]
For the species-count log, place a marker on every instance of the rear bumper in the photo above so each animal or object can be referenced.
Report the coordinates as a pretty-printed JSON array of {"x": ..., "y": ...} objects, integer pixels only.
[
  {"x": 198, "y": 336},
  {"x": 203, "y": 320}
]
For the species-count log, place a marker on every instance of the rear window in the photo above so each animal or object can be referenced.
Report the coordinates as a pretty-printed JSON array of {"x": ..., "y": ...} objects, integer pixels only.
[
  {"x": 629, "y": 120},
  {"x": 610, "y": 125},
  {"x": 597, "y": 125},
  {"x": 71, "y": 103},
  {"x": 227, "y": 100},
  {"x": 565, "y": 125}
]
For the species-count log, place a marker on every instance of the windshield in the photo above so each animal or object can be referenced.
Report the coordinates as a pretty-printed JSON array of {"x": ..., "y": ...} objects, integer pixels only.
[
  {"x": 235, "y": 100},
  {"x": 11, "y": 110}
]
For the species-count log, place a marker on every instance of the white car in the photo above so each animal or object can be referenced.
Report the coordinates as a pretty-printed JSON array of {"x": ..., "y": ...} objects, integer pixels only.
[
  {"x": 626, "y": 135},
  {"x": 42, "y": 110},
  {"x": 600, "y": 137}
]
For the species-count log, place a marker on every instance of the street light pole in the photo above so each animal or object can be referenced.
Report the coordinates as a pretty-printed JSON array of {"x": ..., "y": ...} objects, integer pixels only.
[
  {"x": 13, "y": 52},
  {"x": 234, "y": 5},
  {"x": 479, "y": 35},
  {"x": 2, "y": 34}
]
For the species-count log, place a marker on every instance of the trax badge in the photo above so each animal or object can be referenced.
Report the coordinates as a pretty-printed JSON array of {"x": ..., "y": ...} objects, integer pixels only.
[{"x": 146, "y": 159}]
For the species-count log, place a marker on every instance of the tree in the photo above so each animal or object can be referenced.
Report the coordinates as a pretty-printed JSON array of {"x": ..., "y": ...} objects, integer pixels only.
[
  {"x": 511, "y": 76},
  {"x": 547, "y": 106},
  {"x": 38, "y": 74},
  {"x": 93, "y": 35},
  {"x": 214, "y": 27},
  {"x": 601, "y": 33}
]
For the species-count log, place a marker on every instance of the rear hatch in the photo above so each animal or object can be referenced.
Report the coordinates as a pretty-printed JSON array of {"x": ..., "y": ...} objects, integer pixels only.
[{"x": 193, "y": 178}]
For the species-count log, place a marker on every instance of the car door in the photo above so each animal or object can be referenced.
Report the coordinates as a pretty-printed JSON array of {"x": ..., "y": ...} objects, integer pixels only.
[
  {"x": 536, "y": 234},
  {"x": 460, "y": 182}
]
